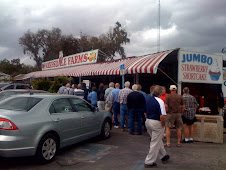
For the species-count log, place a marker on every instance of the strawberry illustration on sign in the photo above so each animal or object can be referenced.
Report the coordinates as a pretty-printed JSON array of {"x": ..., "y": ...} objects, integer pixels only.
[{"x": 92, "y": 57}]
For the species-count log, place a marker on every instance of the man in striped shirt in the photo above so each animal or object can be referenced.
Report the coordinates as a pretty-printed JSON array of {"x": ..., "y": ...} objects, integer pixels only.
[
  {"x": 188, "y": 116},
  {"x": 123, "y": 103},
  {"x": 155, "y": 122}
]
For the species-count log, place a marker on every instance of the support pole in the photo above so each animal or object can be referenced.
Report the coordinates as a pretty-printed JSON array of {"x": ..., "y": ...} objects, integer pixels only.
[
  {"x": 123, "y": 81},
  {"x": 80, "y": 80},
  {"x": 179, "y": 88},
  {"x": 137, "y": 78}
]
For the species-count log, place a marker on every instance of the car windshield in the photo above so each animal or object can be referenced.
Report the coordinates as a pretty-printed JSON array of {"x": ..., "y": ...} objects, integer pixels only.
[{"x": 20, "y": 103}]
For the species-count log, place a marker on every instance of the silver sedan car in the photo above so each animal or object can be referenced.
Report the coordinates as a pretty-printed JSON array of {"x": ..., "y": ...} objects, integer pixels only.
[{"x": 41, "y": 124}]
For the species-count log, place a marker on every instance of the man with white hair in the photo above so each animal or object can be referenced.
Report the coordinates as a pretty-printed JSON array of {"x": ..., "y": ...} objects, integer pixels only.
[
  {"x": 67, "y": 89},
  {"x": 79, "y": 91},
  {"x": 107, "y": 96},
  {"x": 123, "y": 103},
  {"x": 136, "y": 105},
  {"x": 155, "y": 113}
]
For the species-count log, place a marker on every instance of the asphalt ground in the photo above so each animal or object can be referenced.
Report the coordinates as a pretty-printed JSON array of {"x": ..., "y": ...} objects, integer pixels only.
[{"x": 124, "y": 151}]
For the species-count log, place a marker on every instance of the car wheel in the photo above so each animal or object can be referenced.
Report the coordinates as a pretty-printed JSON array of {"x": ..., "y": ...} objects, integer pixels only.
[
  {"x": 106, "y": 128},
  {"x": 47, "y": 149}
]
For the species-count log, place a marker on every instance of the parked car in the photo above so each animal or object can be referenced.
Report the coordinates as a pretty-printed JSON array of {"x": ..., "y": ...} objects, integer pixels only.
[
  {"x": 7, "y": 93},
  {"x": 41, "y": 124},
  {"x": 6, "y": 86}
]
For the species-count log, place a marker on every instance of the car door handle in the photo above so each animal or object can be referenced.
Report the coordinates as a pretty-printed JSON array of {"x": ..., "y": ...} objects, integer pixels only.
[
  {"x": 57, "y": 120},
  {"x": 83, "y": 117}
]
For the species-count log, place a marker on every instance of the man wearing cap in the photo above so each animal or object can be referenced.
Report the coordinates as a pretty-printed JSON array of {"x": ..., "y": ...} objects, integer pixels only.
[{"x": 174, "y": 107}]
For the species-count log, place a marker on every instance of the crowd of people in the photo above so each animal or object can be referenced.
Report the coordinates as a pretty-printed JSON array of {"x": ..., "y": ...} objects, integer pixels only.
[{"x": 158, "y": 112}]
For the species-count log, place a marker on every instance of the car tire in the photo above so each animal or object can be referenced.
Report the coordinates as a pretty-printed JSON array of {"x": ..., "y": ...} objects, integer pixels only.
[
  {"x": 47, "y": 149},
  {"x": 105, "y": 131}
]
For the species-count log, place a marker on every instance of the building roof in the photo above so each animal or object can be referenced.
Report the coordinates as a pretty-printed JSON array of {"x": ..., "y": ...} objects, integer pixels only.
[
  {"x": 3, "y": 74},
  {"x": 19, "y": 77},
  {"x": 144, "y": 64}
]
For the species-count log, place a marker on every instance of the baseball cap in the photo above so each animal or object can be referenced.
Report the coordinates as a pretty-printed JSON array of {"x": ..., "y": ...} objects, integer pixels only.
[{"x": 173, "y": 87}]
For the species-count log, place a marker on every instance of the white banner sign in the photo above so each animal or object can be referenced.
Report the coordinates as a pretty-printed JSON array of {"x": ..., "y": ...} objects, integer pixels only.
[
  {"x": 200, "y": 68},
  {"x": 71, "y": 60}
]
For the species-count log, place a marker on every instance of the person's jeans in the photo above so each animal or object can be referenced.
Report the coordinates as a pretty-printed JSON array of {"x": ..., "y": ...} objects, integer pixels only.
[
  {"x": 135, "y": 114},
  {"x": 116, "y": 111},
  {"x": 123, "y": 113}
]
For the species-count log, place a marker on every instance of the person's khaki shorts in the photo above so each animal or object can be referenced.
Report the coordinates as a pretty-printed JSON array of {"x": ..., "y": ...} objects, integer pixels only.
[
  {"x": 108, "y": 108},
  {"x": 174, "y": 120}
]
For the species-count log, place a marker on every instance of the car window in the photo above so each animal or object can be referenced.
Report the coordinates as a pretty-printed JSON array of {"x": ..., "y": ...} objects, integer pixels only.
[
  {"x": 60, "y": 106},
  {"x": 51, "y": 109},
  {"x": 20, "y": 103},
  {"x": 80, "y": 105},
  {"x": 10, "y": 87}
]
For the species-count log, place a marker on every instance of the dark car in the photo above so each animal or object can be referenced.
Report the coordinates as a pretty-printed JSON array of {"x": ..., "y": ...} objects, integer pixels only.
[
  {"x": 7, "y": 93},
  {"x": 6, "y": 86}
]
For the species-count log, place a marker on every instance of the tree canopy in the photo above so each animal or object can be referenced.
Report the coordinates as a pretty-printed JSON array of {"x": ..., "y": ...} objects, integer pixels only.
[
  {"x": 44, "y": 45},
  {"x": 14, "y": 67}
]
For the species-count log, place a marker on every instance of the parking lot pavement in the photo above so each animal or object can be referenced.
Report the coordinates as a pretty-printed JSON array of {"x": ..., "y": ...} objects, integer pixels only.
[{"x": 123, "y": 151}]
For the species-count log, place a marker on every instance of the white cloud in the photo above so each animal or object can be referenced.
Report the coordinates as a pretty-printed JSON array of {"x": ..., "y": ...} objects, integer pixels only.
[
  {"x": 3, "y": 49},
  {"x": 27, "y": 60},
  {"x": 193, "y": 24}
]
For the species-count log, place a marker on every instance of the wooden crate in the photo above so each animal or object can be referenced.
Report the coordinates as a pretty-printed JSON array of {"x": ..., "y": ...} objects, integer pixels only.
[{"x": 209, "y": 128}]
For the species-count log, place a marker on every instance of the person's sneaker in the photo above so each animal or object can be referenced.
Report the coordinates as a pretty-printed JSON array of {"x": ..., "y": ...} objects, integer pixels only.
[
  {"x": 190, "y": 141},
  {"x": 165, "y": 158},
  {"x": 153, "y": 165},
  {"x": 116, "y": 127},
  {"x": 184, "y": 141}
]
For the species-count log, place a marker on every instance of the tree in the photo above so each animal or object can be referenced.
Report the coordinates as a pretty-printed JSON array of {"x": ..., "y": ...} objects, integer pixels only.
[
  {"x": 111, "y": 43},
  {"x": 14, "y": 67},
  {"x": 118, "y": 37},
  {"x": 69, "y": 45},
  {"x": 44, "y": 45},
  {"x": 15, "y": 62},
  {"x": 32, "y": 45}
]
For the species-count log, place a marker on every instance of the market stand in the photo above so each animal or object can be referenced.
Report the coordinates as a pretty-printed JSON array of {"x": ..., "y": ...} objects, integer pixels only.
[{"x": 201, "y": 72}]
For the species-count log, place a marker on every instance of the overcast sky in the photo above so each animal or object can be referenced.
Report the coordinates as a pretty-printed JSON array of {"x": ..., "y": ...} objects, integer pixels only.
[{"x": 198, "y": 25}]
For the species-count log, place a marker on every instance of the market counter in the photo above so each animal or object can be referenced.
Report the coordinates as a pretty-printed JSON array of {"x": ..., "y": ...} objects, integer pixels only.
[{"x": 209, "y": 128}]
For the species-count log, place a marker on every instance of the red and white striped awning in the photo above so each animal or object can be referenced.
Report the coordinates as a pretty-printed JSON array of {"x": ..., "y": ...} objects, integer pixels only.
[{"x": 133, "y": 65}]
